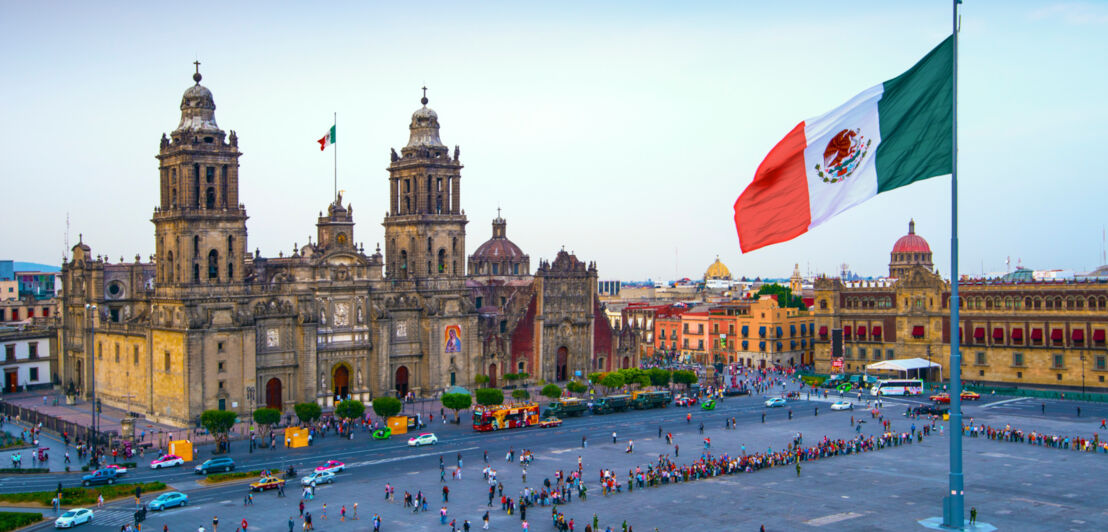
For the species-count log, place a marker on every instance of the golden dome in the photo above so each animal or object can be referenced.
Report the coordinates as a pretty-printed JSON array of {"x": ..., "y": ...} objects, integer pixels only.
[{"x": 717, "y": 271}]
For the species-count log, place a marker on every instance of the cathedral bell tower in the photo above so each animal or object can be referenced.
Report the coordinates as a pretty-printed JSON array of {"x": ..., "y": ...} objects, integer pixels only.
[
  {"x": 200, "y": 226},
  {"x": 425, "y": 226}
]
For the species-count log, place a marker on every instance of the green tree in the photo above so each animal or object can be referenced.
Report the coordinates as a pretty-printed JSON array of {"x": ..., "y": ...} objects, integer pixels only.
[
  {"x": 456, "y": 402},
  {"x": 386, "y": 407},
  {"x": 523, "y": 375},
  {"x": 266, "y": 418},
  {"x": 643, "y": 381},
  {"x": 350, "y": 409},
  {"x": 576, "y": 387},
  {"x": 785, "y": 297},
  {"x": 595, "y": 377},
  {"x": 489, "y": 396},
  {"x": 552, "y": 391},
  {"x": 612, "y": 381},
  {"x": 307, "y": 412},
  {"x": 510, "y": 377},
  {"x": 659, "y": 376},
  {"x": 218, "y": 423},
  {"x": 521, "y": 394},
  {"x": 481, "y": 379},
  {"x": 684, "y": 376}
]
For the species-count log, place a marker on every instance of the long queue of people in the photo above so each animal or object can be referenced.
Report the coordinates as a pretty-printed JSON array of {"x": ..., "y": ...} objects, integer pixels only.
[{"x": 1043, "y": 439}]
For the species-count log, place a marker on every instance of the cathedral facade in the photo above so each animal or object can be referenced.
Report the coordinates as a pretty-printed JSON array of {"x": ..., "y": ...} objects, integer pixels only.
[{"x": 206, "y": 324}]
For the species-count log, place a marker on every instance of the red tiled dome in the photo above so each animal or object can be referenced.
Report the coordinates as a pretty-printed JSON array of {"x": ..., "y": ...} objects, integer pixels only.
[
  {"x": 498, "y": 249},
  {"x": 911, "y": 242}
]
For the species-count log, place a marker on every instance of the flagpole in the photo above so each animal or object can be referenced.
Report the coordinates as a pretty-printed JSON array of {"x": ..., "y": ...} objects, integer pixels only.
[
  {"x": 954, "y": 507},
  {"x": 335, "y": 148}
]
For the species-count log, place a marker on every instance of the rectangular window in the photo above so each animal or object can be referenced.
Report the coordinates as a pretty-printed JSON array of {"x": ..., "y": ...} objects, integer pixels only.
[
  {"x": 32, "y": 349},
  {"x": 167, "y": 363},
  {"x": 116, "y": 353},
  {"x": 34, "y": 374},
  {"x": 889, "y": 354},
  {"x": 480, "y": 302},
  {"x": 9, "y": 352},
  {"x": 100, "y": 351},
  {"x": 221, "y": 366},
  {"x": 715, "y": 328},
  {"x": 980, "y": 361},
  {"x": 1059, "y": 361},
  {"x": 686, "y": 344},
  {"x": 700, "y": 344},
  {"x": 700, "y": 328},
  {"x": 1017, "y": 359},
  {"x": 219, "y": 347},
  {"x": 847, "y": 352},
  {"x": 1101, "y": 364},
  {"x": 134, "y": 354},
  {"x": 46, "y": 312},
  {"x": 731, "y": 329},
  {"x": 503, "y": 326},
  {"x": 861, "y": 353},
  {"x": 221, "y": 384}
]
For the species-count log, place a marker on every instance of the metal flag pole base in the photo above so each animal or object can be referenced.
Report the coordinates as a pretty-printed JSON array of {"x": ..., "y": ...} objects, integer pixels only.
[{"x": 936, "y": 523}]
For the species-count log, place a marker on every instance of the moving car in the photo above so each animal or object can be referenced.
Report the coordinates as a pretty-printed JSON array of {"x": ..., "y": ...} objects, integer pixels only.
[
  {"x": 427, "y": 438},
  {"x": 215, "y": 464},
  {"x": 710, "y": 404},
  {"x": 970, "y": 396},
  {"x": 332, "y": 466},
  {"x": 106, "y": 475},
  {"x": 842, "y": 405},
  {"x": 318, "y": 477},
  {"x": 774, "y": 402},
  {"x": 169, "y": 460},
  {"x": 73, "y": 518},
  {"x": 171, "y": 499},
  {"x": 382, "y": 433},
  {"x": 119, "y": 470},
  {"x": 943, "y": 398},
  {"x": 550, "y": 422},
  {"x": 683, "y": 400},
  {"x": 929, "y": 410},
  {"x": 266, "y": 483}
]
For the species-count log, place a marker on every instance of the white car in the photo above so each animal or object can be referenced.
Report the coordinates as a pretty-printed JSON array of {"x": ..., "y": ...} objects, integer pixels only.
[
  {"x": 169, "y": 460},
  {"x": 427, "y": 438},
  {"x": 318, "y": 477},
  {"x": 74, "y": 517},
  {"x": 776, "y": 401},
  {"x": 842, "y": 405}
]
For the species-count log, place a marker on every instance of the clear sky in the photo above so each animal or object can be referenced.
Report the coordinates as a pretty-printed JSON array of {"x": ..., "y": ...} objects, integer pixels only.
[{"x": 622, "y": 130}]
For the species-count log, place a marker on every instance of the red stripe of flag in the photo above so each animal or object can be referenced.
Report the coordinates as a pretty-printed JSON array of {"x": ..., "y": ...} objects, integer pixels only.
[{"x": 774, "y": 207}]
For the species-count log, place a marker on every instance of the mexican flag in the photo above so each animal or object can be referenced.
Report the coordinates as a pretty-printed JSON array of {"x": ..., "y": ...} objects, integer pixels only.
[
  {"x": 888, "y": 136},
  {"x": 327, "y": 139}
]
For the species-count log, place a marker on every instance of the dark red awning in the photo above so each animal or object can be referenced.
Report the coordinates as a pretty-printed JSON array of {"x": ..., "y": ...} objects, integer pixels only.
[
  {"x": 846, "y": 330},
  {"x": 1079, "y": 335},
  {"x": 1098, "y": 335},
  {"x": 917, "y": 330},
  {"x": 1017, "y": 334},
  {"x": 823, "y": 330},
  {"x": 1056, "y": 335},
  {"x": 998, "y": 333},
  {"x": 862, "y": 331},
  {"x": 876, "y": 333},
  {"x": 1036, "y": 334},
  {"x": 979, "y": 332}
]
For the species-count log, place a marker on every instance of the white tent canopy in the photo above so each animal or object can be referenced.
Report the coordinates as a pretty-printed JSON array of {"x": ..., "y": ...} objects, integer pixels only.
[{"x": 906, "y": 365}]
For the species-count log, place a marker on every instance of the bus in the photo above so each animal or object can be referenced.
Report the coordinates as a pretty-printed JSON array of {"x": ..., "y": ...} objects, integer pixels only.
[
  {"x": 499, "y": 417},
  {"x": 897, "y": 387}
]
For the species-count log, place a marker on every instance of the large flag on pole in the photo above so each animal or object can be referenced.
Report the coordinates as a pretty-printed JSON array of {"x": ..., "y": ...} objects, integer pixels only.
[
  {"x": 888, "y": 136},
  {"x": 327, "y": 139}
]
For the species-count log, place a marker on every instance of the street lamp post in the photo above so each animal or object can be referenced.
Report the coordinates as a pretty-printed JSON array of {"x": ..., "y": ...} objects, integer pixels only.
[
  {"x": 1082, "y": 375},
  {"x": 91, "y": 310}
]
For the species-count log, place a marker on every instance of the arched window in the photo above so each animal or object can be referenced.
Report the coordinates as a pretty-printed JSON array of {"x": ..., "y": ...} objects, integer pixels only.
[
  {"x": 230, "y": 245},
  {"x": 195, "y": 272},
  {"x": 429, "y": 197},
  {"x": 428, "y": 267},
  {"x": 169, "y": 267},
  {"x": 213, "y": 264},
  {"x": 438, "y": 205},
  {"x": 196, "y": 247},
  {"x": 442, "y": 261},
  {"x": 173, "y": 196},
  {"x": 403, "y": 264},
  {"x": 209, "y": 198},
  {"x": 428, "y": 245},
  {"x": 823, "y": 304}
]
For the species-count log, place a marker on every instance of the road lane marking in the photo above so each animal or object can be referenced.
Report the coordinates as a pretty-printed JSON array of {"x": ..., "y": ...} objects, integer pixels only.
[
  {"x": 833, "y": 518},
  {"x": 1006, "y": 401}
]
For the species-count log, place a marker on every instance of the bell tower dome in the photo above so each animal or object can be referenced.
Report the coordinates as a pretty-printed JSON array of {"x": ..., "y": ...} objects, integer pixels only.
[
  {"x": 425, "y": 225},
  {"x": 199, "y": 225}
]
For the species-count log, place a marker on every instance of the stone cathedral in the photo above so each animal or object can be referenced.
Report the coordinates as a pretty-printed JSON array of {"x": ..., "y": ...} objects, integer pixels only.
[{"x": 207, "y": 324}]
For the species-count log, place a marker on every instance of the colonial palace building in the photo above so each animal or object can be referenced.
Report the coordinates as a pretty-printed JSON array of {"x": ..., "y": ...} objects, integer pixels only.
[
  {"x": 208, "y": 324},
  {"x": 1014, "y": 331}
]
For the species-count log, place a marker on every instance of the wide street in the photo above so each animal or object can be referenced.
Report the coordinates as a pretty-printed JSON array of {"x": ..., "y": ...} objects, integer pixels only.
[{"x": 1014, "y": 486}]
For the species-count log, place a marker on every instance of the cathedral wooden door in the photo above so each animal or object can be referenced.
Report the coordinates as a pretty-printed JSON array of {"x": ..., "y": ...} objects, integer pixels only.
[
  {"x": 402, "y": 381},
  {"x": 341, "y": 382},
  {"x": 273, "y": 393},
  {"x": 492, "y": 375},
  {"x": 563, "y": 364}
]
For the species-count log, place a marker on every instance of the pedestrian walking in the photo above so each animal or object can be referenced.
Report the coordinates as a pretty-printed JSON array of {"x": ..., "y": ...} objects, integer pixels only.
[
  {"x": 798, "y": 470},
  {"x": 613, "y": 436},
  {"x": 973, "y": 515}
]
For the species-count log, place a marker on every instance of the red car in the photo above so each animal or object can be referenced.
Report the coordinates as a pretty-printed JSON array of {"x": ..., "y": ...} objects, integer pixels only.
[
  {"x": 943, "y": 398},
  {"x": 550, "y": 422},
  {"x": 684, "y": 400}
]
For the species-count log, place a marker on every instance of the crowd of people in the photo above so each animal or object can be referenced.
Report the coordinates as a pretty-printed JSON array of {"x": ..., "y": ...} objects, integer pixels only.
[{"x": 1043, "y": 439}]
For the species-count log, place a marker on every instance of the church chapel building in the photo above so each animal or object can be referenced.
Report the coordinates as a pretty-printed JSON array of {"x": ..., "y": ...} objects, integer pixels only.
[{"x": 208, "y": 324}]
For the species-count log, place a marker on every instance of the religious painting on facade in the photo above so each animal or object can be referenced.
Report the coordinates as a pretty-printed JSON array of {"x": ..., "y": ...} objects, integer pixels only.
[
  {"x": 272, "y": 338},
  {"x": 453, "y": 339},
  {"x": 342, "y": 314}
]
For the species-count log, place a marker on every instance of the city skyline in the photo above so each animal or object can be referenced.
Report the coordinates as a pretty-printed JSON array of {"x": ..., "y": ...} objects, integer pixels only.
[{"x": 639, "y": 127}]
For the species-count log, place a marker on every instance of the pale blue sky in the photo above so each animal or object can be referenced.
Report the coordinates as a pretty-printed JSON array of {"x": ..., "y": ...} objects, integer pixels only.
[{"x": 623, "y": 130}]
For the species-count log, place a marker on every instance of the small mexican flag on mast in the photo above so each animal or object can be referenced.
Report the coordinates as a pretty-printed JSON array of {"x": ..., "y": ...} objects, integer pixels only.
[{"x": 327, "y": 139}]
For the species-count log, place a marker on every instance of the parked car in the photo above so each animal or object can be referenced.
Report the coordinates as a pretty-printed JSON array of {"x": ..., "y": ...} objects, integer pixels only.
[
  {"x": 215, "y": 464},
  {"x": 171, "y": 499},
  {"x": 427, "y": 438},
  {"x": 74, "y": 517},
  {"x": 318, "y": 477},
  {"x": 842, "y": 405},
  {"x": 106, "y": 475},
  {"x": 775, "y": 402},
  {"x": 266, "y": 483},
  {"x": 169, "y": 460},
  {"x": 929, "y": 410},
  {"x": 332, "y": 466}
]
